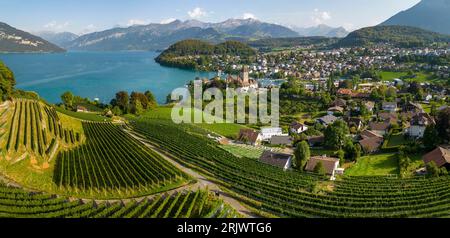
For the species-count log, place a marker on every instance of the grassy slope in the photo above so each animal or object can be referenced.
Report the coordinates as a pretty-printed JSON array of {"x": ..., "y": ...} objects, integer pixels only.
[
  {"x": 84, "y": 116},
  {"x": 374, "y": 165},
  {"x": 421, "y": 77},
  {"x": 225, "y": 129},
  {"x": 243, "y": 151}
]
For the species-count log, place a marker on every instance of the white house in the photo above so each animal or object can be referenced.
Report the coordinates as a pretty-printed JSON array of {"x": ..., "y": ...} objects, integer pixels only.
[
  {"x": 330, "y": 165},
  {"x": 298, "y": 128},
  {"x": 283, "y": 161},
  {"x": 419, "y": 124},
  {"x": 389, "y": 106},
  {"x": 268, "y": 132}
]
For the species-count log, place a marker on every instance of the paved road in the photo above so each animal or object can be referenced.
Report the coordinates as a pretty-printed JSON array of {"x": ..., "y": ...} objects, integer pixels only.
[{"x": 202, "y": 183}]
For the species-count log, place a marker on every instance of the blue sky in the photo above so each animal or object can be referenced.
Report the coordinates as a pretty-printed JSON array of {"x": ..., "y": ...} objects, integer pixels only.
[{"x": 82, "y": 16}]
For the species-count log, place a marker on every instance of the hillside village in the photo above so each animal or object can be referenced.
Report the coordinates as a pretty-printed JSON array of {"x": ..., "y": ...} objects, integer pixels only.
[{"x": 397, "y": 120}]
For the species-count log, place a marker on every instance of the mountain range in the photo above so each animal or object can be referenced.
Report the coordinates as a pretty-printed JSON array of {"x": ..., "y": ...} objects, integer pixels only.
[
  {"x": 160, "y": 36},
  {"x": 14, "y": 40},
  {"x": 57, "y": 38},
  {"x": 321, "y": 30},
  {"x": 433, "y": 15}
]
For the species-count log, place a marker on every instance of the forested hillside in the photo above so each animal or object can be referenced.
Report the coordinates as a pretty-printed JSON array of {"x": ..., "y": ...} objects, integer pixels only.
[{"x": 401, "y": 36}]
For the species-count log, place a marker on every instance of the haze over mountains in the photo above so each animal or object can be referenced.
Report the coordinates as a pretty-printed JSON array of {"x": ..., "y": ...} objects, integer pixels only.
[
  {"x": 433, "y": 15},
  {"x": 57, "y": 38},
  {"x": 14, "y": 40},
  {"x": 322, "y": 30},
  {"x": 160, "y": 36}
]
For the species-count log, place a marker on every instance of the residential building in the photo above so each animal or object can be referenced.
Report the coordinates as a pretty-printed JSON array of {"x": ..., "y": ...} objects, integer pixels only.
[
  {"x": 333, "y": 110},
  {"x": 380, "y": 128},
  {"x": 281, "y": 140},
  {"x": 440, "y": 156},
  {"x": 297, "y": 127},
  {"x": 268, "y": 132},
  {"x": 280, "y": 160},
  {"x": 330, "y": 164},
  {"x": 389, "y": 106},
  {"x": 327, "y": 120},
  {"x": 316, "y": 140},
  {"x": 370, "y": 141},
  {"x": 419, "y": 124},
  {"x": 249, "y": 136}
]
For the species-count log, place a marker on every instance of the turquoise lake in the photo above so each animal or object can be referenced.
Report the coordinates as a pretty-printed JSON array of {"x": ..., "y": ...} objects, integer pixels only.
[{"x": 96, "y": 74}]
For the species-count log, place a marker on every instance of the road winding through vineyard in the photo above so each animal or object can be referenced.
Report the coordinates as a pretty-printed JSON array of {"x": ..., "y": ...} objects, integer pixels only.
[{"x": 202, "y": 183}]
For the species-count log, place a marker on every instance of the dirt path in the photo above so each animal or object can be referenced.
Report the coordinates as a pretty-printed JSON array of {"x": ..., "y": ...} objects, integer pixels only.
[{"x": 202, "y": 183}]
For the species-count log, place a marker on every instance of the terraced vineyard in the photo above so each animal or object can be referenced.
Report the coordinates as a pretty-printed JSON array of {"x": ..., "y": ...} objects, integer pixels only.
[
  {"x": 291, "y": 194},
  {"x": 34, "y": 130},
  {"x": 17, "y": 203},
  {"x": 111, "y": 160}
]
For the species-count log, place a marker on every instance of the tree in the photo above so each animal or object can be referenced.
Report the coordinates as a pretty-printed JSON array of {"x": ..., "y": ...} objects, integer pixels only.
[
  {"x": 434, "y": 171},
  {"x": 302, "y": 155},
  {"x": 137, "y": 108},
  {"x": 151, "y": 100},
  {"x": 7, "y": 82},
  {"x": 341, "y": 155},
  {"x": 116, "y": 111},
  {"x": 431, "y": 137},
  {"x": 336, "y": 134},
  {"x": 443, "y": 124},
  {"x": 358, "y": 151},
  {"x": 122, "y": 101},
  {"x": 403, "y": 163},
  {"x": 319, "y": 169},
  {"x": 67, "y": 99},
  {"x": 136, "y": 96}
]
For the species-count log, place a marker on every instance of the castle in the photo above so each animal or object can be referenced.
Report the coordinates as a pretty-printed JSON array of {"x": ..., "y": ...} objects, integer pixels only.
[{"x": 243, "y": 80}]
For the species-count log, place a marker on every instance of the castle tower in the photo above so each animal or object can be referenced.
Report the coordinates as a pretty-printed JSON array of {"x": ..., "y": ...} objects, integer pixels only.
[{"x": 245, "y": 75}]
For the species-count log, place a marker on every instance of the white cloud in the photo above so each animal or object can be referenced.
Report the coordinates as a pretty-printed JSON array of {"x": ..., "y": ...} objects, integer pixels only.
[
  {"x": 248, "y": 15},
  {"x": 197, "y": 13},
  {"x": 167, "y": 21},
  {"x": 320, "y": 17},
  {"x": 55, "y": 26},
  {"x": 88, "y": 29},
  {"x": 133, "y": 22}
]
